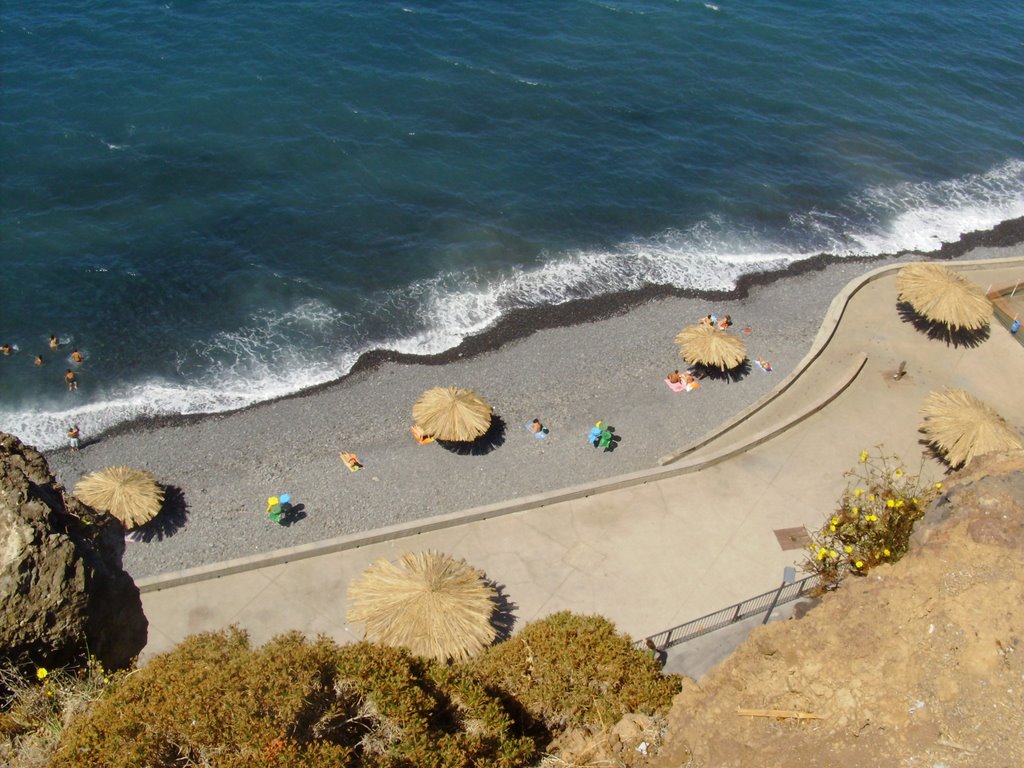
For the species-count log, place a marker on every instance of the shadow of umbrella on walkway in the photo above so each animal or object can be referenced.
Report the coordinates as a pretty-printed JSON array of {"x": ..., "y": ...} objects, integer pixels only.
[
  {"x": 711, "y": 348},
  {"x": 133, "y": 496},
  {"x": 451, "y": 413},
  {"x": 963, "y": 427},
  {"x": 945, "y": 304},
  {"x": 429, "y": 602}
]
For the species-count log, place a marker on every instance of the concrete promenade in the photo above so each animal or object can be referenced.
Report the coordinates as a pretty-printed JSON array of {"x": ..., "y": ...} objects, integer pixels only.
[{"x": 660, "y": 547}]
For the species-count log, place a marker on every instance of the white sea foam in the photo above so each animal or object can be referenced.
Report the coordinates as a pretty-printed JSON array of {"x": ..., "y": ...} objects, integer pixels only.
[{"x": 281, "y": 352}]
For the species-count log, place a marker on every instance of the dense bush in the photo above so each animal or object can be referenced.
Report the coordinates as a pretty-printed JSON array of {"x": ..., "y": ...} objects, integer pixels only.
[
  {"x": 569, "y": 671},
  {"x": 215, "y": 701},
  {"x": 873, "y": 521}
]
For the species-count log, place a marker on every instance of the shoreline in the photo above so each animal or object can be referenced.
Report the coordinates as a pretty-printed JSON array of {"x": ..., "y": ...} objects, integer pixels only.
[
  {"x": 522, "y": 323},
  {"x": 220, "y": 468}
]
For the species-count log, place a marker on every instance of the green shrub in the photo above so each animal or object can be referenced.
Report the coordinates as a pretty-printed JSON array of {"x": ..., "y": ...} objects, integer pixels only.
[
  {"x": 569, "y": 671},
  {"x": 215, "y": 701},
  {"x": 873, "y": 522}
]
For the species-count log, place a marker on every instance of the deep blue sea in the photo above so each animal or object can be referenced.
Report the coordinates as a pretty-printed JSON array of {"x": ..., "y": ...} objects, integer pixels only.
[{"x": 222, "y": 202}]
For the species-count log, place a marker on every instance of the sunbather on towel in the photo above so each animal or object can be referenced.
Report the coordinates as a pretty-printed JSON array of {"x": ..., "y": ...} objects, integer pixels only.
[{"x": 764, "y": 365}]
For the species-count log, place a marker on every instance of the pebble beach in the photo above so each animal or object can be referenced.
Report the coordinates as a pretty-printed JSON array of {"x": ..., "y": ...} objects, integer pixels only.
[{"x": 594, "y": 364}]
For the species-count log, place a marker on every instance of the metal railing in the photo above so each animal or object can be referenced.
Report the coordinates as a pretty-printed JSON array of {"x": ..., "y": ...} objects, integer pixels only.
[{"x": 764, "y": 603}]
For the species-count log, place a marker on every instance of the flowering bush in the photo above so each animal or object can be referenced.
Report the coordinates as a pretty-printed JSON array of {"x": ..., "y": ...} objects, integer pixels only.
[
  {"x": 873, "y": 522},
  {"x": 36, "y": 708}
]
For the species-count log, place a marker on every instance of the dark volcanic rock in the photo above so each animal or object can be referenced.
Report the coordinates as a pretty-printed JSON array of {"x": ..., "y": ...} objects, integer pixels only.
[{"x": 63, "y": 592}]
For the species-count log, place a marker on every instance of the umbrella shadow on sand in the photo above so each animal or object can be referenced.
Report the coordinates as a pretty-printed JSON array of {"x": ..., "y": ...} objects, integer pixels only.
[
  {"x": 169, "y": 520},
  {"x": 714, "y": 373},
  {"x": 933, "y": 329},
  {"x": 493, "y": 438}
]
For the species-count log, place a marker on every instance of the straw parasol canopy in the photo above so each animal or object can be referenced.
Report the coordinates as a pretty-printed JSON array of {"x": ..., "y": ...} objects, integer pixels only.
[
  {"x": 450, "y": 413},
  {"x": 710, "y": 346},
  {"x": 133, "y": 496},
  {"x": 942, "y": 296},
  {"x": 962, "y": 427},
  {"x": 430, "y": 603}
]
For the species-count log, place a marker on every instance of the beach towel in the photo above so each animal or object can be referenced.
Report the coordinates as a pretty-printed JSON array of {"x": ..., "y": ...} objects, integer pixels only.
[{"x": 677, "y": 386}]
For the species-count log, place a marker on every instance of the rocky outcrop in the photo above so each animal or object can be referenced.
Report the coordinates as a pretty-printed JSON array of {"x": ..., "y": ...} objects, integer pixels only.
[
  {"x": 63, "y": 591},
  {"x": 918, "y": 663}
]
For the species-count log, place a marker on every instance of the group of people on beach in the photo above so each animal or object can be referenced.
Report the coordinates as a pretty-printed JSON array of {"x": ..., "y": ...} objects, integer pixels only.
[{"x": 688, "y": 380}]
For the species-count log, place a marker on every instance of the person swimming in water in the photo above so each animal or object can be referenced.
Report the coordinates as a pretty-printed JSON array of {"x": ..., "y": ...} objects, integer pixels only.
[
  {"x": 38, "y": 360},
  {"x": 72, "y": 382},
  {"x": 54, "y": 342},
  {"x": 76, "y": 356}
]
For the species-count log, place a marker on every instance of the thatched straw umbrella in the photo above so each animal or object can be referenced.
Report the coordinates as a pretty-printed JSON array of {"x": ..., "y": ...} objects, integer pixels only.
[
  {"x": 961, "y": 426},
  {"x": 710, "y": 346},
  {"x": 430, "y": 603},
  {"x": 133, "y": 496},
  {"x": 940, "y": 295},
  {"x": 450, "y": 413}
]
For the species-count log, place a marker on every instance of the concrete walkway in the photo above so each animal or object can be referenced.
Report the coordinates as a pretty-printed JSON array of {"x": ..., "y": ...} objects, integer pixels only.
[{"x": 657, "y": 548}]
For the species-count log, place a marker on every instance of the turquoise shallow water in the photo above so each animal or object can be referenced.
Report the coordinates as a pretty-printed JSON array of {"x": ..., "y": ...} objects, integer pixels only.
[{"x": 220, "y": 203}]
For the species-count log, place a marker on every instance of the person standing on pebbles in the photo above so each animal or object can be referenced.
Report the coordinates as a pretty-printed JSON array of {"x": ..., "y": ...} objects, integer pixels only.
[{"x": 73, "y": 435}]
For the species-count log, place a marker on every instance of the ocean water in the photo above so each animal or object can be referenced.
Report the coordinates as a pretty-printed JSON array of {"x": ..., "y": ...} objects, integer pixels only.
[{"x": 220, "y": 203}]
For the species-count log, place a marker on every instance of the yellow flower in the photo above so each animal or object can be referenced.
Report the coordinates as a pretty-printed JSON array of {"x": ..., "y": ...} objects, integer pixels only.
[
  {"x": 859, "y": 492},
  {"x": 871, "y": 518},
  {"x": 835, "y": 521},
  {"x": 863, "y": 457},
  {"x": 871, "y": 497},
  {"x": 898, "y": 473},
  {"x": 890, "y": 503},
  {"x": 821, "y": 555},
  {"x": 899, "y": 503},
  {"x": 915, "y": 500},
  {"x": 833, "y": 554},
  {"x": 831, "y": 529},
  {"x": 848, "y": 549},
  {"x": 885, "y": 552},
  {"x": 859, "y": 564},
  {"x": 856, "y": 510},
  {"x": 41, "y": 673},
  {"x": 938, "y": 486}
]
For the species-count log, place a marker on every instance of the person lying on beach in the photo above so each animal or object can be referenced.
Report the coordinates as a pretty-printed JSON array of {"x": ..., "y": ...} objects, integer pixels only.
[
  {"x": 708, "y": 320},
  {"x": 351, "y": 461},
  {"x": 764, "y": 364},
  {"x": 76, "y": 356},
  {"x": 72, "y": 382},
  {"x": 690, "y": 381},
  {"x": 536, "y": 426},
  {"x": 725, "y": 322},
  {"x": 421, "y": 437},
  {"x": 674, "y": 377}
]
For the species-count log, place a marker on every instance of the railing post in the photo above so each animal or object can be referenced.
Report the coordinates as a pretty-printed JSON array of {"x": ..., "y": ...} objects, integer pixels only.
[{"x": 787, "y": 578}]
